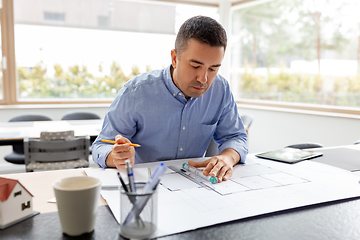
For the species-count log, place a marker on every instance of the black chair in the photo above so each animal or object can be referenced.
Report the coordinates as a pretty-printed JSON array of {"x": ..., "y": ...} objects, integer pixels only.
[
  {"x": 17, "y": 156},
  {"x": 247, "y": 121},
  {"x": 306, "y": 145},
  {"x": 80, "y": 116},
  {"x": 213, "y": 149}
]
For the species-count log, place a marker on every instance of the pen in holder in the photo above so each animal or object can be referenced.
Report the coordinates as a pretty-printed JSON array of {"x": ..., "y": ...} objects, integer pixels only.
[{"x": 138, "y": 212}]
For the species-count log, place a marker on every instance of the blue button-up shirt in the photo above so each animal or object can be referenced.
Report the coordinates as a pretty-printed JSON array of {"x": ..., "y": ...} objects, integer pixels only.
[{"x": 151, "y": 111}]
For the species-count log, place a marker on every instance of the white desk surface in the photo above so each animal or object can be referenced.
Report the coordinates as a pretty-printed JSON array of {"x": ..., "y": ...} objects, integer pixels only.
[{"x": 20, "y": 130}]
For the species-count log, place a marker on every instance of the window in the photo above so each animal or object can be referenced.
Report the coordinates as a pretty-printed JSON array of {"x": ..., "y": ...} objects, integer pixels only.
[
  {"x": 25, "y": 205},
  {"x": 17, "y": 193},
  {"x": 297, "y": 51},
  {"x": 88, "y": 55},
  {"x": 291, "y": 53}
]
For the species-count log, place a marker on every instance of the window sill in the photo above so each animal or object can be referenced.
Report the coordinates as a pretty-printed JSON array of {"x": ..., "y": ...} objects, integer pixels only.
[
  {"x": 55, "y": 106},
  {"x": 319, "y": 110},
  {"x": 352, "y": 113}
]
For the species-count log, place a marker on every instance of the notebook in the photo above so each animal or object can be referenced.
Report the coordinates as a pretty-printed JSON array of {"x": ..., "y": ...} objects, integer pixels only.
[{"x": 289, "y": 155}]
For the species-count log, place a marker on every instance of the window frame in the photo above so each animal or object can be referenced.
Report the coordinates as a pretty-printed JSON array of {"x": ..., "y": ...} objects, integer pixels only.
[
  {"x": 8, "y": 52},
  {"x": 9, "y": 74}
]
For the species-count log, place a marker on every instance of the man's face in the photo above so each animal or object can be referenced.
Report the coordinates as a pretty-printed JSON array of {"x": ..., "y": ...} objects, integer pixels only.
[{"x": 196, "y": 67}]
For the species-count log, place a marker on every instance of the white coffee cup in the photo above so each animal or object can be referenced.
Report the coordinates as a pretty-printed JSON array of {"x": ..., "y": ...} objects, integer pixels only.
[{"x": 77, "y": 200}]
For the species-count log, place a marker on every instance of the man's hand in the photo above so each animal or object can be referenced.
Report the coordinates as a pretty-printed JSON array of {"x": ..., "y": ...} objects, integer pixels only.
[
  {"x": 120, "y": 152},
  {"x": 220, "y": 166}
]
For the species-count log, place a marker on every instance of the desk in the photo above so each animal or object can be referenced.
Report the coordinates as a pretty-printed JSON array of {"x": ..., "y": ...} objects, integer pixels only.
[
  {"x": 15, "y": 132},
  {"x": 337, "y": 220},
  {"x": 40, "y": 186},
  {"x": 345, "y": 157}
]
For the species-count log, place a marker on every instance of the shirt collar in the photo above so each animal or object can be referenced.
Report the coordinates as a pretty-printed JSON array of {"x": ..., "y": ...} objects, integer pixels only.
[{"x": 173, "y": 89}]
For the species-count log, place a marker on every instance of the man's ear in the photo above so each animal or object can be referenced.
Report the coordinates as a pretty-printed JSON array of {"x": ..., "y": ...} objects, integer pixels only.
[{"x": 173, "y": 58}]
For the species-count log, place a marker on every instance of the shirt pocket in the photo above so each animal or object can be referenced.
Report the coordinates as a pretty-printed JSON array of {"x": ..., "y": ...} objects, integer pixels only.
[{"x": 205, "y": 133}]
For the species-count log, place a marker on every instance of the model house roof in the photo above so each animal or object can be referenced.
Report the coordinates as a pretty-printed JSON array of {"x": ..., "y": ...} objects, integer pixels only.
[{"x": 6, "y": 187}]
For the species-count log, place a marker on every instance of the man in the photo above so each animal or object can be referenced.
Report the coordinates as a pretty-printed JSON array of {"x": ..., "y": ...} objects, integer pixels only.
[{"x": 175, "y": 112}]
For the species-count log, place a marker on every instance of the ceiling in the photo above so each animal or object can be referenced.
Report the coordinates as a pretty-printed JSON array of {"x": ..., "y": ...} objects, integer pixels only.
[{"x": 214, "y": 3}]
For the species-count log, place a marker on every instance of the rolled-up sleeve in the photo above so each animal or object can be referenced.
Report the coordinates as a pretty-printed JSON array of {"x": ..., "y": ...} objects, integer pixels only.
[
  {"x": 100, "y": 153},
  {"x": 116, "y": 116}
]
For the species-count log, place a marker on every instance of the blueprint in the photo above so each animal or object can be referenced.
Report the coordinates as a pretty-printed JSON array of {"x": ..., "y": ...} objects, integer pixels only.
[{"x": 260, "y": 186}]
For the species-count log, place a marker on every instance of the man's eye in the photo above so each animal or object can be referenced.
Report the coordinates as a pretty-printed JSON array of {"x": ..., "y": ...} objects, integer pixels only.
[
  {"x": 212, "y": 69},
  {"x": 195, "y": 66}
]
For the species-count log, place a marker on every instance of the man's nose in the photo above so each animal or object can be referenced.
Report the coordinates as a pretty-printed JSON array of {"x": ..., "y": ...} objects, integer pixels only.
[{"x": 203, "y": 77}]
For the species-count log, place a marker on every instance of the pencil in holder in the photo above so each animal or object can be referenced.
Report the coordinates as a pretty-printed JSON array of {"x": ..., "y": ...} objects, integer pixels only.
[{"x": 138, "y": 212}]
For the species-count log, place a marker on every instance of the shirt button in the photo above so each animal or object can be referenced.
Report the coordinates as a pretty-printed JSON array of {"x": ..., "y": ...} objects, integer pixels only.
[
  {"x": 174, "y": 94},
  {"x": 183, "y": 128},
  {"x": 181, "y": 149},
  {"x": 180, "y": 94}
]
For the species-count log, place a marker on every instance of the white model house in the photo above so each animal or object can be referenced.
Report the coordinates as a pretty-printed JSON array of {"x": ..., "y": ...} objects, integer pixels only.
[{"x": 15, "y": 202}]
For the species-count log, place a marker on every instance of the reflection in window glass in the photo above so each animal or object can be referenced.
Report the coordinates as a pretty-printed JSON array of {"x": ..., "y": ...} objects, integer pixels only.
[
  {"x": 300, "y": 51},
  {"x": 79, "y": 49},
  {"x": 53, "y": 16},
  {"x": 103, "y": 21}
]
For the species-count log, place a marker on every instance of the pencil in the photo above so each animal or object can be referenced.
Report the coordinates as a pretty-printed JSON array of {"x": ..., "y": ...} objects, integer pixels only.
[{"x": 131, "y": 144}]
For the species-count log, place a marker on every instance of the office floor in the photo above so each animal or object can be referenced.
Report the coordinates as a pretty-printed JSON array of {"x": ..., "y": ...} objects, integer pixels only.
[{"x": 6, "y": 168}]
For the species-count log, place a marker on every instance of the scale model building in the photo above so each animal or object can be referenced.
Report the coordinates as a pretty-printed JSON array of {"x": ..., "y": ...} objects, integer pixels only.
[{"x": 15, "y": 202}]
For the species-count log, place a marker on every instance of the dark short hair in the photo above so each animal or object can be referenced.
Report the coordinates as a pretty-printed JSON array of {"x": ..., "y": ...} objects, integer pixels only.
[{"x": 203, "y": 29}]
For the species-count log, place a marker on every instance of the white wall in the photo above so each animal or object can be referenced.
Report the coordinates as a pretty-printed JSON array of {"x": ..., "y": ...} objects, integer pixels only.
[{"x": 277, "y": 128}]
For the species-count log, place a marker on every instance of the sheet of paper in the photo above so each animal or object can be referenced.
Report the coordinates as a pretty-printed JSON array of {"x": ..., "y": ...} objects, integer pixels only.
[
  {"x": 258, "y": 187},
  {"x": 176, "y": 182},
  {"x": 109, "y": 176}
]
